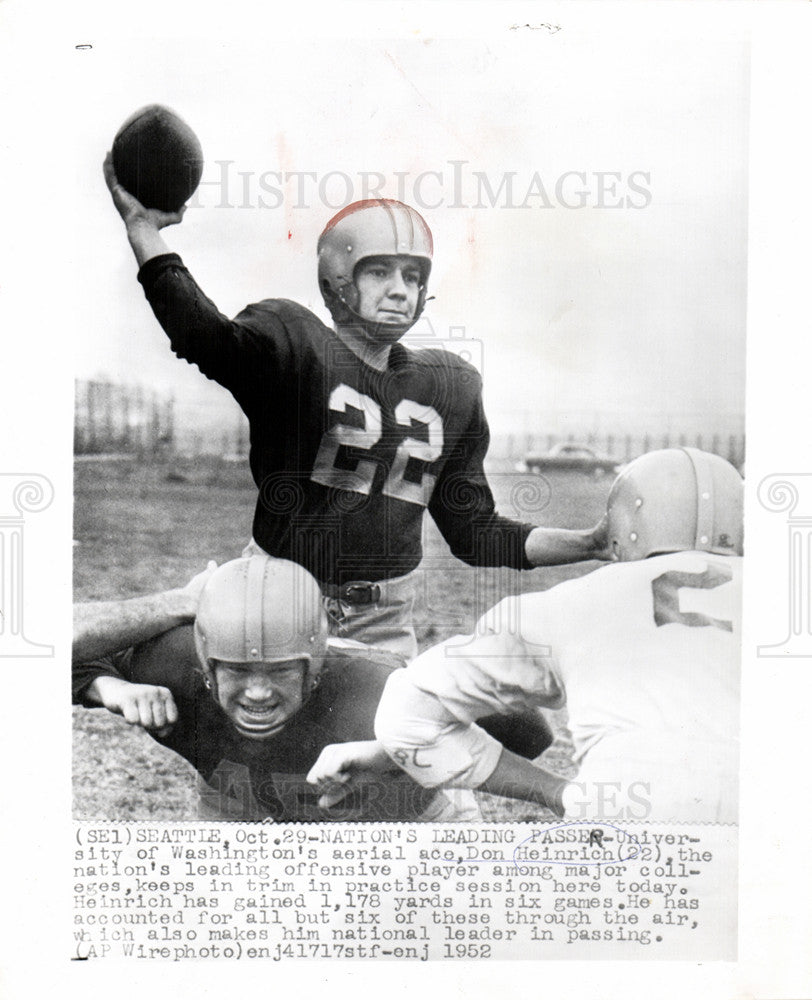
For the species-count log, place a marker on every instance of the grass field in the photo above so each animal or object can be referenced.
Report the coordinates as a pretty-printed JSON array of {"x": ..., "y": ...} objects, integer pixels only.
[{"x": 142, "y": 528}]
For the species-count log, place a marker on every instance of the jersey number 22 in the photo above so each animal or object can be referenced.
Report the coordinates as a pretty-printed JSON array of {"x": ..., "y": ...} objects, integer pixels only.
[{"x": 362, "y": 438}]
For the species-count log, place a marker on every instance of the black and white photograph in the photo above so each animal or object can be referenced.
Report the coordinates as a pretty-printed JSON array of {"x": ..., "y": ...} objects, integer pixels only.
[
  {"x": 418, "y": 334},
  {"x": 409, "y": 426},
  {"x": 457, "y": 387}
]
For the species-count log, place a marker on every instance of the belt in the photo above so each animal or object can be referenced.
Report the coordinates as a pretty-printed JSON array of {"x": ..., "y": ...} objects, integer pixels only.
[{"x": 354, "y": 592}]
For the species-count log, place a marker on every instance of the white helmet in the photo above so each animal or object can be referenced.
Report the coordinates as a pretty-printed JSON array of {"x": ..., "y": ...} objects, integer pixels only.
[
  {"x": 264, "y": 610},
  {"x": 380, "y": 227},
  {"x": 675, "y": 500}
]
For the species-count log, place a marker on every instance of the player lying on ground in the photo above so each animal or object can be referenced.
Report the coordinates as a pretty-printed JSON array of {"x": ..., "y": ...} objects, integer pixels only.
[
  {"x": 352, "y": 434},
  {"x": 252, "y": 693},
  {"x": 644, "y": 653}
]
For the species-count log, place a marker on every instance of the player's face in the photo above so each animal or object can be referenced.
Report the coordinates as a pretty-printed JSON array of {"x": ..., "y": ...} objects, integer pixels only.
[
  {"x": 260, "y": 698},
  {"x": 388, "y": 289}
]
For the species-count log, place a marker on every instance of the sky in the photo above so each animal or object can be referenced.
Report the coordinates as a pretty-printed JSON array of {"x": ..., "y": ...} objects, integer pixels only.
[{"x": 588, "y": 202}]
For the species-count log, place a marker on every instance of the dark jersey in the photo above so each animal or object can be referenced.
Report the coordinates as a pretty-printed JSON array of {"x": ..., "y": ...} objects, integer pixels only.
[
  {"x": 345, "y": 457},
  {"x": 256, "y": 779}
]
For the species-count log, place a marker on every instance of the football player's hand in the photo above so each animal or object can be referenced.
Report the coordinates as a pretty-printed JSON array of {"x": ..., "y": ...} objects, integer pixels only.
[
  {"x": 146, "y": 705},
  {"x": 343, "y": 767},
  {"x": 600, "y": 539},
  {"x": 194, "y": 588},
  {"x": 130, "y": 208}
]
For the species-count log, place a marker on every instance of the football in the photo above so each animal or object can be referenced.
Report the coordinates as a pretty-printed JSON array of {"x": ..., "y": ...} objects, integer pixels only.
[{"x": 158, "y": 158}]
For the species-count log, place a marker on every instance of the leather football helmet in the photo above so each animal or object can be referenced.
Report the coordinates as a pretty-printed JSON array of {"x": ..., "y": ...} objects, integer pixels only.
[
  {"x": 260, "y": 609},
  {"x": 675, "y": 500},
  {"x": 379, "y": 227}
]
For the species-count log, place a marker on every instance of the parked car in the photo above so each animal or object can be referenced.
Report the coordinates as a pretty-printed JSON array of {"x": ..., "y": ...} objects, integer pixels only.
[{"x": 575, "y": 457}]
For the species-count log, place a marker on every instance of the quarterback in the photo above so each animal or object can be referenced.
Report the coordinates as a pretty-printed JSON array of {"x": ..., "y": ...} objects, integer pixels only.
[
  {"x": 353, "y": 435},
  {"x": 235, "y": 674},
  {"x": 644, "y": 653}
]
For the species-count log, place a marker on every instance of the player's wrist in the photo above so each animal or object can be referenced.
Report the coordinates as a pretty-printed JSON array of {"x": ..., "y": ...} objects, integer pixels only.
[
  {"x": 141, "y": 232},
  {"x": 106, "y": 691},
  {"x": 181, "y": 605},
  {"x": 569, "y": 796},
  {"x": 554, "y": 792},
  {"x": 139, "y": 225},
  {"x": 558, "y": 546},
  {"x": 145, "y": 238}
]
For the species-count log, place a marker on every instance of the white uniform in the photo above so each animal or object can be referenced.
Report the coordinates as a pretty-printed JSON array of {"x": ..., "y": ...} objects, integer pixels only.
[{"x": 644, "y": 654}]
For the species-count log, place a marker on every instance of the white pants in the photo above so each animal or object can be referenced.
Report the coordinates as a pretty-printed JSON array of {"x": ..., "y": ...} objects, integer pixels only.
[{"x": 642, "y": 776}]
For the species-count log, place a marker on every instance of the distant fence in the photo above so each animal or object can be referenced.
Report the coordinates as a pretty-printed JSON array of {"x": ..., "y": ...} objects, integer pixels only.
[
  {"x": 110, "y": 418},
  {"x": 621, "y": 446},
  {"x": 121, "y": 418}
]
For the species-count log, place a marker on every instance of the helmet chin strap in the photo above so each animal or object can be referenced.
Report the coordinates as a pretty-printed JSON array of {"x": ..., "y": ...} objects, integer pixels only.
[
  {"x": 356, "y": 319},
  {"x": 210, "y": 680},
  {"x": 309, "y": 683},
  {"x": 372, "y": 330}
]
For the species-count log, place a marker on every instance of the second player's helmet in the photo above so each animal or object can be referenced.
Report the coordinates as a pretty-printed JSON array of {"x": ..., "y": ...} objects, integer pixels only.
[
  {"x": 378, "y": 227},
  {"x": 675, "y": 500},
  {"x": 264, "y": 610}
]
